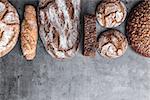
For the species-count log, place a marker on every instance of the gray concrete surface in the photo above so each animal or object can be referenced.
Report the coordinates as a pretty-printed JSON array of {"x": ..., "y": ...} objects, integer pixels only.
[{"x": 80, "y": 78}]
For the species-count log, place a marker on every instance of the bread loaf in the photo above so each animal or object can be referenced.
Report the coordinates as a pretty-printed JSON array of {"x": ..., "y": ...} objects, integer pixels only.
[
  {"x": 112, "y": 44},
  {"x": 59, "y": 20},
  {"x": 138, "y": 28},
  {"x": 9, "y": 27},
  {"x": 111, "y": 13},
  {"x": 89, "y": 35},
  {"x": 29, "y": 33}
]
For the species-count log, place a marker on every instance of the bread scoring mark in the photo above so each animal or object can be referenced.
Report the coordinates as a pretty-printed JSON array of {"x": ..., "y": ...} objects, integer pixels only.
[
  {"x": 70, "y": 8},
  {"x": 1, "y": 34},
  {"x": 62, "y": 19},
  {"x": 50, "y": 48},
  {"x": 56, "y": 39},
  {"x": 7, "y": 37},
  {"x": 47, "y": 28},
  {"x": 45, "y": 3}
]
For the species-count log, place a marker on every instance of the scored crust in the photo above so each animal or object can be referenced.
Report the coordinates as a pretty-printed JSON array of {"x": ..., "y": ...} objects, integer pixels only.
[
  {"x": 9, "y": 27},
  {"x": 138, "y": 28},
  {"x": 111, "y": 13},
  {"x": 29, "y": 33},
  {"x": 112, "y": 44},
  {"x": 59, "y": 20}
]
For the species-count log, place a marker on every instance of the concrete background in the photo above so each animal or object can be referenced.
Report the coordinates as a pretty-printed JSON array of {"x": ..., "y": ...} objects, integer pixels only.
[{"x": 80, "y": 78}]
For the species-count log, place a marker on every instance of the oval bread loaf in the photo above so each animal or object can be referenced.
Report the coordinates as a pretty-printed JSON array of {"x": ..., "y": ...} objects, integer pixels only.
[
  {"x": 59, "y": 20},
  {"x": 29, "y": 33}
]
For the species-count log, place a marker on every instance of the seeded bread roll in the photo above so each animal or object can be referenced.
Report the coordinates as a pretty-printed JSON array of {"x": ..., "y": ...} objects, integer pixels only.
[
  {"x": 29, "y": 33},
  {"x": 59, "y": 20},
  {"x": 138, "y": 28},
  {"x": 9, "y": 27},
  {"x": 89, "y": 35},
  {"x": 111, "y": 13},
  {"x": 112, "y": 44}
]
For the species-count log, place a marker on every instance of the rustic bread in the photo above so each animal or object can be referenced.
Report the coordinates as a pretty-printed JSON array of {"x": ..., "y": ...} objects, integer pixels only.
[
  {"x": 111, "y": 13},
  {"x": 29, "y": 33},
  {"x": 90, "y": 40},
  {"x": 59, "y": 20},
  {"x": 112, "y": 44},
  {"x": 138, "y": 28},
  {"x": 9, "y": 27}
]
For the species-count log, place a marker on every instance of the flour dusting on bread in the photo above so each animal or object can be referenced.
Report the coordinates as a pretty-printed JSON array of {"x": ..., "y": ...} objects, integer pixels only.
[
  {"x": 59, "y": 20},
  {"x": 9, "y": 27}
]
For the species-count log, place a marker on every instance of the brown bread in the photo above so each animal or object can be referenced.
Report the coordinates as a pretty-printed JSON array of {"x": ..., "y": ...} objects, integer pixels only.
[
  {"x": 29, "y": 33},
  {"x": 89, "y": 35}
]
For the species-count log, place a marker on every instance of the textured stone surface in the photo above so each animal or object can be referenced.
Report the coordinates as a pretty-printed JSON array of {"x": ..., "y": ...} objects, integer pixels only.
[{"x": 81, "y": 78}]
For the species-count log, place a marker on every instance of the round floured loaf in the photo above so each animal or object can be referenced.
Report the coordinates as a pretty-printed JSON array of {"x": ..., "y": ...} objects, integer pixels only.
[
  {"x": 9, "y": 27},
  {"x": 112, "y": 44},
  {"x": 59, "y": 20},
  {"x": 111, "y": 13}
]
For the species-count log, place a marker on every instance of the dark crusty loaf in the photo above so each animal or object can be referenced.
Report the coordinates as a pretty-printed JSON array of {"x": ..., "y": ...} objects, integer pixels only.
[
  {"x": 59, "y": 20},
  {"x": 138, "y": 28},
  {"x": 89, "y": 35},
  {"x": 29, "y": 33}
]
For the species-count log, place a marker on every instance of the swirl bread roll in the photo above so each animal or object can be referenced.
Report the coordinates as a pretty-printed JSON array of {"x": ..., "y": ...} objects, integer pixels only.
[
  {"x": 29, "y": 33},
  {"x": 9, "y": 27},
  {"x": 59, "y": 22}
]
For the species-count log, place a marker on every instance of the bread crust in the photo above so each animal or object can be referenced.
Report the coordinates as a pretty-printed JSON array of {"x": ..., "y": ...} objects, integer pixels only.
[
  {"x": 59, "y": 22},
  {"x": 90, "y": 42},
  {"x": 112, "y": 44},
  {"x": 111, "y": 13},
  {"x": 9, "y": 27},
  {"x": 29, "y": 33},
  {"x": 138, "y": 28}
]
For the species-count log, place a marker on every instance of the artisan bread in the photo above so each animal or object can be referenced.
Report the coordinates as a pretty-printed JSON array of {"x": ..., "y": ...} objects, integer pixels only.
[
  {"x": 138, "y": 28},
  {"x": 29, "y": 33},
  {"x": 90, "y": 40},
  {"x": 9, "y": 27},
  {"x": 111, "y": 13},
  {"x": 112, "y": 44},
  {"x": 59, "y": 20}
]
